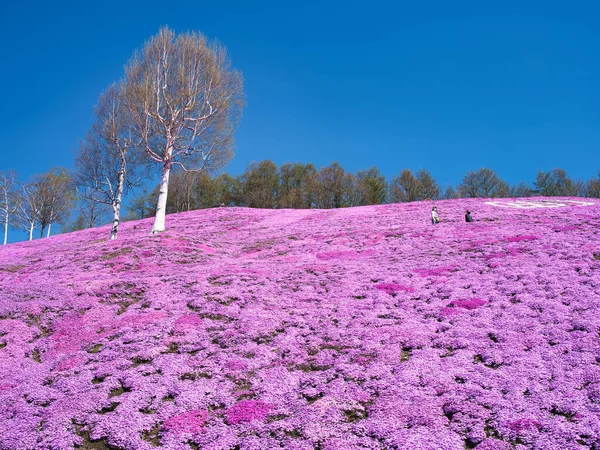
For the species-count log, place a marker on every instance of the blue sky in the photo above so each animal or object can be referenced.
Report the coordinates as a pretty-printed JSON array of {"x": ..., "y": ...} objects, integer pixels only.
[{"x": 446, "y": 86}]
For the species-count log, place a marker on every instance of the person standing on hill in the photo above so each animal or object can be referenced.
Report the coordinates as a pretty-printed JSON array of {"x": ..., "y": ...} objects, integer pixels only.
[
  {"x": 468, "y": 217},
  {"x": 435, "y": 218}
]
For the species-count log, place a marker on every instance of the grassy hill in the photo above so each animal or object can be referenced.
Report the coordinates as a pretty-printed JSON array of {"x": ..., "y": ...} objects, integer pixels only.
[{"x": 359, "y": 328}]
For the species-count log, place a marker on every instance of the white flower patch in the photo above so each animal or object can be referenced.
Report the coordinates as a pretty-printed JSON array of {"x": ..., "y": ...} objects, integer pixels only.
[{"x": 529, "y": 204}]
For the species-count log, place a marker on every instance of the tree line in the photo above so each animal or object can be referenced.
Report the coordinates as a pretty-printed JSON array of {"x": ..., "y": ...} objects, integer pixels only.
[
  {"x": 298, "y": 186},
  {"x": 72, "y": 198},
  {"x": 173, "y": 113}
]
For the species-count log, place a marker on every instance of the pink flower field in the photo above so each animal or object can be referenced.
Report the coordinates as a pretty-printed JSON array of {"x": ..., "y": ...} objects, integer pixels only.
[{"x": 359, "y": 328}]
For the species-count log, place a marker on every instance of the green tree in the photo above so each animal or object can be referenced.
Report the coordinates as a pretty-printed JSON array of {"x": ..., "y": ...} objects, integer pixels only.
[
  {"x": 405, "y": 187},
  {"x": 429, "y": 187},
  {"x": 372, "y": 187},
  {"x": 260, "y": 183},
  {"x": 228, "y": 190},
  {"x": 331, "y": 187},
  {"x": 297, "y": 185}
]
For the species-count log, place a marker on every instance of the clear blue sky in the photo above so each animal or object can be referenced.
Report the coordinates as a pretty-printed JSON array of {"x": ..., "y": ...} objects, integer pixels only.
[{"x": 447, "y": 86}]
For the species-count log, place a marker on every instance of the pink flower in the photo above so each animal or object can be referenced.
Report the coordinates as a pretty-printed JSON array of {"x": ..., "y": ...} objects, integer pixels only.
[
  {"x": 468, "y": 303},
  {"x": 191, "y": 421},
  {"x": 392, "y": 288},
  {"x": 247, "y": 411}
]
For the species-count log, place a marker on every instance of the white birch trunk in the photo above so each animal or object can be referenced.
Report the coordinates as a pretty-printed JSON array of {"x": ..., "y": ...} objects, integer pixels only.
[
  {"x": 31, "y": 231},
  {"x": 6, "y": 226},
  {"x": 117, "y": 206},
  {"x": 48, "y": 231},
  {"x": 161, "y": 206}
]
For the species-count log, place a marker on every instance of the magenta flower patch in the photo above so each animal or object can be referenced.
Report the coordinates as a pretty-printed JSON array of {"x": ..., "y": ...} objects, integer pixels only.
[
  {"x": 436, "y": 271},
  {"x": 470, "y": 303},
  {"x": 361, "y": 328},
  {"x": 187, "y": 321},
  {"x": 524, "y": 424},
  {"x": 393, "y": 288},
  {"x": 521, "y": 238},
  {"x": 192, "y": 422},
  {"x": 247, "y": 411}
]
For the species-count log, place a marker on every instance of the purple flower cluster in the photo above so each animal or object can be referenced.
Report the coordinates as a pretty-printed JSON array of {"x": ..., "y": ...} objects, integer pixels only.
[
  {"x": 247, "y": 411},
  {"x": 360, "y": 328}
]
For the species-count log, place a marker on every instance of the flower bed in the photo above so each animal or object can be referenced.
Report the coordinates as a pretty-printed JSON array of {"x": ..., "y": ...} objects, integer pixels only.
[{"x": 364, "y": 328}]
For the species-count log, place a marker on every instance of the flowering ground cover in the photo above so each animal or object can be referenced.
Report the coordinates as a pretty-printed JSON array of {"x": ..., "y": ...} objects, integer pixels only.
[{"x": 361, "y": 328}]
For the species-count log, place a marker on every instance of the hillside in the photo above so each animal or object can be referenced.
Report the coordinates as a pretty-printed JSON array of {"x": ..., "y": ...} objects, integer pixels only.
[{"x": 360, "y": 328}]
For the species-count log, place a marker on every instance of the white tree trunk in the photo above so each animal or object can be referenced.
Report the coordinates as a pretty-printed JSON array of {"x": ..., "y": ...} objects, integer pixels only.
[
  {"x": 48, "y": 231},
  {"x": 6, "y": 226},
  {"x": 117, "y": 206},
  {"x": 161, "y": 206},
  {"x": 31, "y": 231}
]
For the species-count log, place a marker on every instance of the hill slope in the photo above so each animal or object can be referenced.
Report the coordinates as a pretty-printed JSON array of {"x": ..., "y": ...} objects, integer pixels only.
[{"x": 341, "y": 329}]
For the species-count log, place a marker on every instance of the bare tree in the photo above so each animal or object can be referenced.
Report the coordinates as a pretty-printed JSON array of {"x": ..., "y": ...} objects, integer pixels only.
[
  {"x": 185, "y": 99},
  {"x": 183, "y": 187},
  {"x": 91, "y": 213},
  {"x": 142, "y": 205},
  {"x": 351, "y": 194},
  {"x": 483, "y": 183},
  {"x": 449, "y": 193},
  {"x": 520, "y": 190},
  {"x": 592, "y": 187},
  {"x": 9, "y": 200},
  {"x": 107, "y": 165},
  {"x": 554, "y": 183},
  {"x": 54, "y": 197},
  {"x": 30, "y": 207}
]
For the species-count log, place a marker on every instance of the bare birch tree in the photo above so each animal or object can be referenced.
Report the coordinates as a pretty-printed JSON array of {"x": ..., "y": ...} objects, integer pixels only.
[
  {"x": 30, "y": 207},
  {"x": 8, "y": 198},
  {"x": 107, "y": 164},
  {"x": 185, "y": 100}
]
